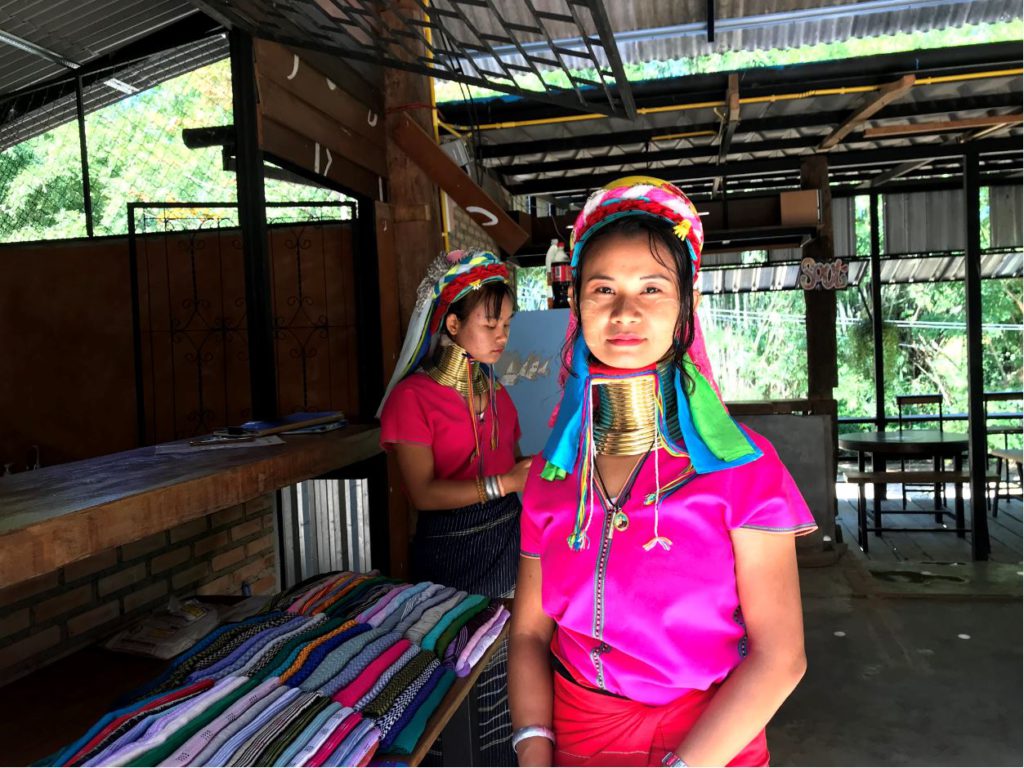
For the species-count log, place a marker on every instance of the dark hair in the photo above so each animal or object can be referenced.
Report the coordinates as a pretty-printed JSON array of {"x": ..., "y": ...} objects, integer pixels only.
[
  {"x": 492, "y": 294},
  {"x": 658, "y": 232}
]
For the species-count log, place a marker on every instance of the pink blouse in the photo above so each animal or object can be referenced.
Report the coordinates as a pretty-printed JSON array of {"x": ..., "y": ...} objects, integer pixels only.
[
  {"x": 419, "y": 410},
  {"x": 652, "y": 625}
]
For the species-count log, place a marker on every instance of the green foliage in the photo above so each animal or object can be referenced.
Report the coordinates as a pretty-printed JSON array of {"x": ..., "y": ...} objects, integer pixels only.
[
  {"x": 532, "y": 289},
  {"x": 135, "y": 154},
  {"x": 757, "y": 344}
]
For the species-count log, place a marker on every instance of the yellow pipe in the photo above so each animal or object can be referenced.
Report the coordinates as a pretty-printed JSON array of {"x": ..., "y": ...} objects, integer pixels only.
[
  {"x": 975, "y": 76},
  {"x": 687, "y": 135},
  {"x": 450, "y": 128},
  {"x": 721, "y": 103}
]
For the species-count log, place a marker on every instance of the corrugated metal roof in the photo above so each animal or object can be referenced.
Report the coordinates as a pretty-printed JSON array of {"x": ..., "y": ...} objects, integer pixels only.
[
  {"x": 781, "y": 277},
  {"x": 685, "y": 121},
  {"x": 77, "y": 30},
  {"x": 667, "y": 31},
  {"x": 731, "y": 272},
  {"x": 766, "y": 28}
]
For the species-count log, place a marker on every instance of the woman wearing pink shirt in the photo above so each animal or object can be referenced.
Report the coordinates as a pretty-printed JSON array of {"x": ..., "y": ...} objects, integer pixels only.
[
  {"x": 455, "y": 433},
  {"x": 657, "y": 616}
]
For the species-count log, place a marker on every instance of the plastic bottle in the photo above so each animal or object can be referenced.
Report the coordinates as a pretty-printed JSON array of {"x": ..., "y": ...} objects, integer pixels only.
[{"x": 552, "y": 253}]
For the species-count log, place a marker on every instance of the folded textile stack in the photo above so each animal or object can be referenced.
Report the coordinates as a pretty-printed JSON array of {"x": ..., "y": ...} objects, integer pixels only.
[{"x": 333, "y": 671}]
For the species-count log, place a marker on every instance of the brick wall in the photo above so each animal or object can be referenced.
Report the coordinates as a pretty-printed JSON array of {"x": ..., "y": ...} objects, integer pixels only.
[
  {"x": 60, "y": 612},
  {"x": 463, "y": 232}
]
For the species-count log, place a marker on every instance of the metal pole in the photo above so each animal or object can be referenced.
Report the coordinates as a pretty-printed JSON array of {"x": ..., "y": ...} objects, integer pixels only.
[
  {"x": 133, "y": 275},
  {"x": 977, "y": 454},
  {"x": 252, "y": 219},
  {"x": 876, "y": 315},
  {"x": 84, "y": 152}
]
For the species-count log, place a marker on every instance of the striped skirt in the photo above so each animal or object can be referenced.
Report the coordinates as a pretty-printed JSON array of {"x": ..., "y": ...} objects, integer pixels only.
[{"x": 476, "y": 548}]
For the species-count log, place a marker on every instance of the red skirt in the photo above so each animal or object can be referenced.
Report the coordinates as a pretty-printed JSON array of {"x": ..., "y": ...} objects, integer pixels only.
[{"x": 595, "y": 729}]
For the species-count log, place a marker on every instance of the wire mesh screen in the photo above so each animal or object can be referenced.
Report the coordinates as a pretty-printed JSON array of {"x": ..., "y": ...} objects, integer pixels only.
[
  {"x": 193, "y": 364},
  {"x": 41, "y": 186},
  {"x": 41, "y": 195},
  {"x": 558, "y": 51},
  {"x": 325, "y": 526},
  {"x": 134, "y": 147}
]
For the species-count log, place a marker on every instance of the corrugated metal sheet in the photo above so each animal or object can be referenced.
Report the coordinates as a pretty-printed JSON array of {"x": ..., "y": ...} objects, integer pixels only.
[
  {"x": 796, "y": 33},
  {"x": 686, "y": 120},
  {"x": 677, "y": 29},
  {"x": 78, "y": 30},
  {"x": 924, "y": 221},
  {"x": 844, "y": 237},
  {"x": 1006, "y": 205},
  {"x": 780, "y": 277}
]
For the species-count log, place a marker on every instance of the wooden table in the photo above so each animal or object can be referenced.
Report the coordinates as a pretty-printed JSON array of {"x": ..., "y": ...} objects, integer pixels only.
[
  {"x": 54, "y": 516},
  {"x": 906, "y": 444}
]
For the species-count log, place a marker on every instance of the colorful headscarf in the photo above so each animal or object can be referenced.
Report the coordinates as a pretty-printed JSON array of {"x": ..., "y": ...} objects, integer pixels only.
[
  {"x": 710, "y": 437},
  {"x": 449, "y": 278}
]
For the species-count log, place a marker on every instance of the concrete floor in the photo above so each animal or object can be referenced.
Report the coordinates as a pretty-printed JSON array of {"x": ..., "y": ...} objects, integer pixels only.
[{"x": 891, "y": 680}]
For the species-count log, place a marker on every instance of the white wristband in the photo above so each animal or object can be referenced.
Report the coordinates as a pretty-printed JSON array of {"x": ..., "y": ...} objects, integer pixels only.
[{"x": 529, "y": 732}]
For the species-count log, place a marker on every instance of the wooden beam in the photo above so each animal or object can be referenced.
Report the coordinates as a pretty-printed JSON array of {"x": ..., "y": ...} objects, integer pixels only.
[
  {"x": 942, "y": 126},
  {"x": 983, "y": 133},
  {"x": 900, "y": 170},
  {"x": 285, "y": 108},
  {"x": 284, "y": 143},
  {"x": 345, "y": 76},
  {"x": 279, "y": 65},
  {"x": 732, "y": 117},
  {"x": 887, "y": 94},
  {"x": 422, "y": 150}
]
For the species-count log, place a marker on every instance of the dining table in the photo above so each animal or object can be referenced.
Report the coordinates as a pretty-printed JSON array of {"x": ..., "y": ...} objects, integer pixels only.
[{"x": 933, "y": 444}]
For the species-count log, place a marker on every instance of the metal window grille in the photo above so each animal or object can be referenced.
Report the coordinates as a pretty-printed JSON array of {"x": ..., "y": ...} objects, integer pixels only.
[{"x": 515, "y": 46}]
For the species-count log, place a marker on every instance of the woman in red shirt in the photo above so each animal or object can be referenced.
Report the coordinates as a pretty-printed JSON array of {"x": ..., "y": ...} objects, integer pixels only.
[{"x": 455, "y": 433}]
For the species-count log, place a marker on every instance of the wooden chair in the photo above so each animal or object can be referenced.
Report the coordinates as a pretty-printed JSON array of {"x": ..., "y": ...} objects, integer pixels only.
[
  {"x": 911, "y": 401},
  {"x": 1004, "y": 428},
  {"x": 1009, "y": 457}
]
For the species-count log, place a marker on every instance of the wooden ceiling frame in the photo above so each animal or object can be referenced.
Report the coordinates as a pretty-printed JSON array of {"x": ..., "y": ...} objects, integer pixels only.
[
  {"x": 885, "y": 95},
  {"x": 309, "y": 121},
  {"x": 942, "y": 126},
  {"x": 443, "y": 171}
]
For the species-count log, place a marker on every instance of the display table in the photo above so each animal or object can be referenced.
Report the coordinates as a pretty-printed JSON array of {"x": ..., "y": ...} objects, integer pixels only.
[{"x": 46, "y": 710}]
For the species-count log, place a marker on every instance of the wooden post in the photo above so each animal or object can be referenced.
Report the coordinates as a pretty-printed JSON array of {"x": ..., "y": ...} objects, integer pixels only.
[
  {"x": 822, "y": 365},
  {"x": 419, "y": 241},
  {"x": 415, "y": 241},
  {"x": 391, "y": 346}
]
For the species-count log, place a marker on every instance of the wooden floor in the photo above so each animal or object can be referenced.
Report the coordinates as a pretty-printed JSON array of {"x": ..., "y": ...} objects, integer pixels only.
[{"x": 1005, "y": 532}]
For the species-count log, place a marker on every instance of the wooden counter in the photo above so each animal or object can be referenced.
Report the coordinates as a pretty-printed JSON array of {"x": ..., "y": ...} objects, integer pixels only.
[{"x": 54, "y": 516}]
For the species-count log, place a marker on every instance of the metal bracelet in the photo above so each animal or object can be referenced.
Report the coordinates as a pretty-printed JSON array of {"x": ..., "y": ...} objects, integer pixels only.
[
  {"x": 529, "y": 732},
  {"x": 673, "y": 760},
  {"x": 493, "y": 490}
]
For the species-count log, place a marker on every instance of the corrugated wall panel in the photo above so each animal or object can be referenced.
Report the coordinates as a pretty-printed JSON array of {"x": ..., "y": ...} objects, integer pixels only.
[
  {"x": 1005, "y": 206},
  {"x": 844, "y": 237},
  {"x": 924, "y": 221}
]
